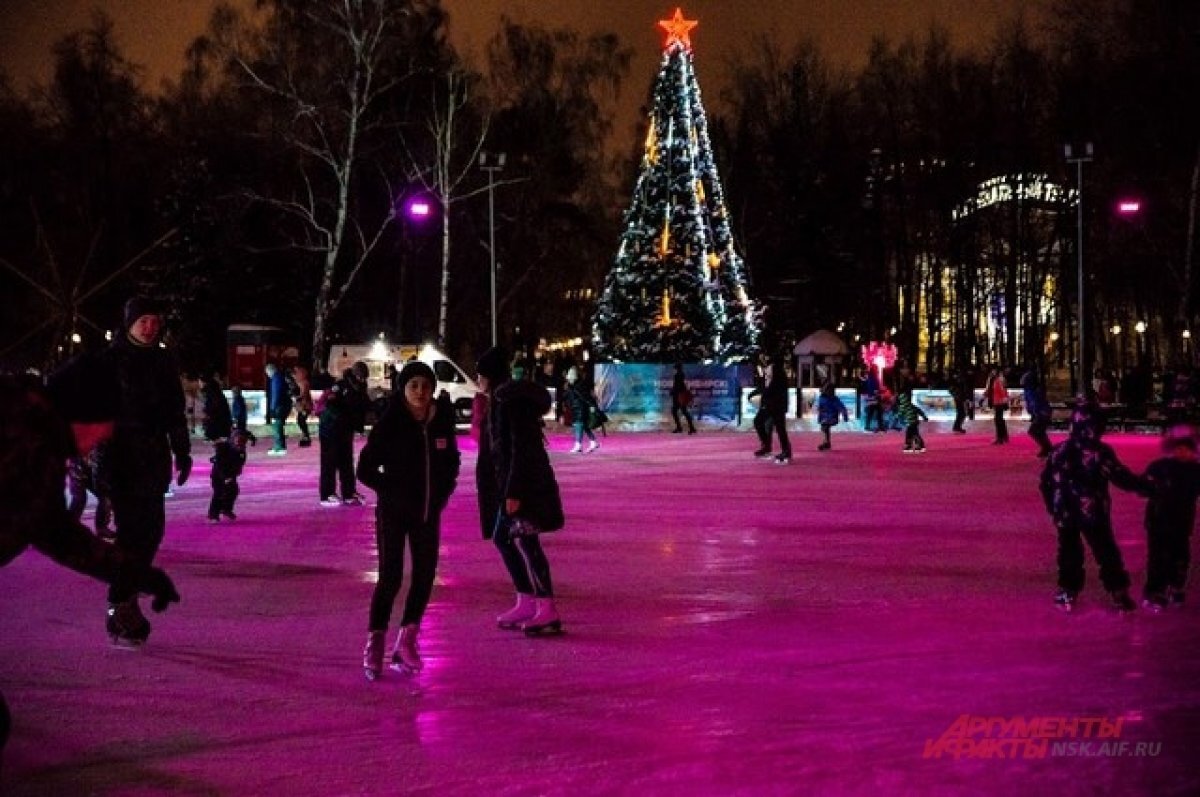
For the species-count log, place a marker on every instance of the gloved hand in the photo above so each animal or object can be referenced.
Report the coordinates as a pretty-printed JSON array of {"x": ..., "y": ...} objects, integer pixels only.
[
  {"x": 159, "y": 586},
  {"x": 183, "y": 464}
]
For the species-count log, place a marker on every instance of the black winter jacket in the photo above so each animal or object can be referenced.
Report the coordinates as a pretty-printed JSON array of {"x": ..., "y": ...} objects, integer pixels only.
[
  {"x": 151, "y": 424},
  {"x": 412, "y": 466},
  {"x": 512, "y": 459}
]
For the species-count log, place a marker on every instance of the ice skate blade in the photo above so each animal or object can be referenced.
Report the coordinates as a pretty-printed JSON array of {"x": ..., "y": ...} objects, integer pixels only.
[
  {"x": 549, "y": 629},
  {"x": 119, "y": 642},
  {"x": 511, "y": 625},
  {"x": 404, "y": 669}
]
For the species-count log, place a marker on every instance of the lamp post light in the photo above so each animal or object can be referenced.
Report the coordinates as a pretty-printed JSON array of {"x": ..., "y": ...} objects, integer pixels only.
[
  {"x": 1079, "y": 159},
  {"x": 497, "y": 163}
]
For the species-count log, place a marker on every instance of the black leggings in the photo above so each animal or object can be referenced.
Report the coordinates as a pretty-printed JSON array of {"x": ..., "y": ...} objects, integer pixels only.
[
  {"x": 525, "y": 560},
  {"x": 337, "y": 464},
  {"x": 390, "y": 535}
]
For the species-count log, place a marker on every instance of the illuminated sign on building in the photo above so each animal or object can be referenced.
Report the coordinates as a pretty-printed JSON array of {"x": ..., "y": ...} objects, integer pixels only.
[{"x": 1015, "y": 188}]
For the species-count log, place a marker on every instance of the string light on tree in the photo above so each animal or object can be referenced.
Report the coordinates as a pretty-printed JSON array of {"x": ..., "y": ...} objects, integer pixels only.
[{"x": 677, "y": 243}]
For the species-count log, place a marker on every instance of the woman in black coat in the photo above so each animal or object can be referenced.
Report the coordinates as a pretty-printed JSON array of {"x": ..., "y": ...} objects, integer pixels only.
[
  {"x": 411, "y": 461},
  {"x": 518, "y": 494}
]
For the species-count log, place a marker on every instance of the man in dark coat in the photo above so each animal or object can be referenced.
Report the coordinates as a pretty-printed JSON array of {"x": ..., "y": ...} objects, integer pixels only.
[
  {"x": 279, "y": 407},
  {"x": 39, "y": 429},
  {"x": 518, "y": 494},
  {"x": 343, "y": 413},
  {"x": 218, "y": 418},
  {"x": 150, "y": 429}
]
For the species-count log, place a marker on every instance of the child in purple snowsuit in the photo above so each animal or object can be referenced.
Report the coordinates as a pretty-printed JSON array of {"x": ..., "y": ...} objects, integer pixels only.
[{"x": 1074, "y": 487}]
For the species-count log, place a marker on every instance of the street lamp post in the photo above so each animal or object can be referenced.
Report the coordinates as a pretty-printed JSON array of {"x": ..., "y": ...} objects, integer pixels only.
[
  {"x": 491, "y": 168},
  {"x": 1079, "y": 160}
]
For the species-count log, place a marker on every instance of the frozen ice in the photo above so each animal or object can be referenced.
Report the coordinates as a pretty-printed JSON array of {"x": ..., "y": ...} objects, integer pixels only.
[{"x": 733, "y": 627}]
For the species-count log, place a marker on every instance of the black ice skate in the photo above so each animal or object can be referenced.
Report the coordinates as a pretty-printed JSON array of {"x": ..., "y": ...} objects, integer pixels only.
[
  {"x": 1065, "y": 600},
  {"x": 127, "y": 627},
  {"x": 1122, "y": 601},
  {"x": 1176, "y": 597}
]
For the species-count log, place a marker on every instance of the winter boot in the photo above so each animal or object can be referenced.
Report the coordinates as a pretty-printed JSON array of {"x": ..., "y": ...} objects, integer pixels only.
[
  {"x": 545, "y": 619},
  {"x": 126, "y": 625},
  {"x": 405, "y": 657},
  {"x": 373, "y": 655},
  {"x": 1121, "y": 599},
  {"x": 512, "y": 619},
  {"x": 1065, "y": 600}
]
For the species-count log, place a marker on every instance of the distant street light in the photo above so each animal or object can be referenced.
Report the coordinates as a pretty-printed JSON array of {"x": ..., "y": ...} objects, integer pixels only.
[
  {"x": 1079, "y": 160},
  {"x": 1129, "y": 207},
  {"x": 491, "y": 168}
]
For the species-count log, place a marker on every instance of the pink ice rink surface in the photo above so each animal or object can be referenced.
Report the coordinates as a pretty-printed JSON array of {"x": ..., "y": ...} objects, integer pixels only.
[{"x": 861, "y": 622}]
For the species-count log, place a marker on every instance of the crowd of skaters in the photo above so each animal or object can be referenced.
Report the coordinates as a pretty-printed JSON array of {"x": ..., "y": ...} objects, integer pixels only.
[{"x": 126, "y": 438}]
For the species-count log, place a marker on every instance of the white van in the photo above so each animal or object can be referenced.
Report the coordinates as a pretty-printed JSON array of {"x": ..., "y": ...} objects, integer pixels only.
[{"x": 380, "y": 354}]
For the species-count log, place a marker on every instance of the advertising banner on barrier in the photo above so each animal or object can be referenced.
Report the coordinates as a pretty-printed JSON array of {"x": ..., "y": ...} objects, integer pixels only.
[{"x": 641, "y": 392}]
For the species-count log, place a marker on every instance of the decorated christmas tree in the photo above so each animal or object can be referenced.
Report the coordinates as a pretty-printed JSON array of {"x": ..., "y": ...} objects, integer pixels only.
[{"x": 677, "y": 288}]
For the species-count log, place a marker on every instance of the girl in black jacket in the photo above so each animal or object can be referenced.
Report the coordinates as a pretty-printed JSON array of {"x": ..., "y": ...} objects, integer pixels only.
[
  {"x": 411, "y": 461},
  {"x": 518, "y": 494}
]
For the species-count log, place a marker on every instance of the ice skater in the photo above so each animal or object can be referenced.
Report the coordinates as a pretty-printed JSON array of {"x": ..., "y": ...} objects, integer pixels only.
[
  {"x": 40, "y": 428},
  {"x": 681, "y": 401},
  {"x": 829, "y": 410},
  {"x": 868, "y": 389},
  {"x": 279, "y": 407},
  {"x": 773, "y": 412},
  {"x": 83, "y": 478},
  {"x": 150, "y": 435},
  {"x": 1039, "y": 411},
  {"x": 910, "y": 415},
  {"x": 581, "y": 402},
  {"x": 411, "y": 461},
  {"x": 237, "y": 409},
  {"x": 228, "y": 459},
  {"x": 1074, "y": 487},
  {"x": 996, "y": 393},
  {"x": 1170, "y": 516},
  {"x": 518, "y": 494},
  {"x": 343, "y": 413},
  {"x": 302, "y": 393}
]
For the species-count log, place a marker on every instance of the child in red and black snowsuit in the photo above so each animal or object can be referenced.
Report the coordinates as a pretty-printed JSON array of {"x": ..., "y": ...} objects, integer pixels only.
[
  {"x": 228, "y": 459},
  {"x": 1170, "y": 516},
  {"x": 1074, "y": 486}
]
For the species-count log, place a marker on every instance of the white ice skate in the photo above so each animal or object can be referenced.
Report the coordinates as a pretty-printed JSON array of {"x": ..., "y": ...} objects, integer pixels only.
[
  {"x": 545, "y": 620},
  {"x": 523, "y": 612},
  {"x": 405, "y": 657},
  {"x": 373, "y": 655}
]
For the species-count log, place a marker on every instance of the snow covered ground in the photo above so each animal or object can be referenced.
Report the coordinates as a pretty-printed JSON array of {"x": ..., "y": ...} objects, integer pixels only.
[{"x": 843, "y": 626}]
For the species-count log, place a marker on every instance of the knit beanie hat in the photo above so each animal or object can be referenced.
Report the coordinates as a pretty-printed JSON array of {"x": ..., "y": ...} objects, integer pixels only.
[
  {"x": 412, "y": 370},
  {"x": 139, "y": 306},
  {"x": 494, "y": 365},
  {"x": 85, "y": 390}
]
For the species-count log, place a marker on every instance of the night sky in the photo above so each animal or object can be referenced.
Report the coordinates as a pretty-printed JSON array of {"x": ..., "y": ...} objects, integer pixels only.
[{"x": 154, "y": 33}]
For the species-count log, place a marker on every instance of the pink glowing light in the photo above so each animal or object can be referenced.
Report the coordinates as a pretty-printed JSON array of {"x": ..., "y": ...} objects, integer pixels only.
[
  {"x": 419, "y": 209},
  {"x": 879, "y": 355},
  {"x": 1129, "y": 207}
]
